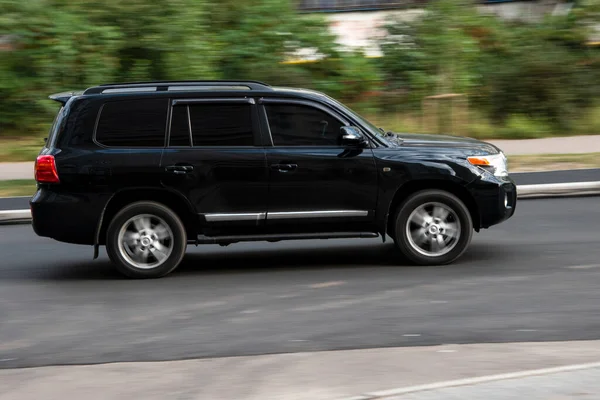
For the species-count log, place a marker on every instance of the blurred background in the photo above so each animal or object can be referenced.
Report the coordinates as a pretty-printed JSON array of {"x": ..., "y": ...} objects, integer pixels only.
[
  {"x": 482, "y": 68},
  {"x": 524, "y": 297}
]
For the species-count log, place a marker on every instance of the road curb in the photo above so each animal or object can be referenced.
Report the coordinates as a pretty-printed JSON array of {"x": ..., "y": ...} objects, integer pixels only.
[
  {"x": 15, "y": 216},
  {"x": 558, "y": 190},
  {"x": 538, "y": 191}
]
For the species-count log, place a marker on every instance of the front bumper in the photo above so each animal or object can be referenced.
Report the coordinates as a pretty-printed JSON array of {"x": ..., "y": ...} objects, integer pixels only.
[{"x": 496, "y": 199}]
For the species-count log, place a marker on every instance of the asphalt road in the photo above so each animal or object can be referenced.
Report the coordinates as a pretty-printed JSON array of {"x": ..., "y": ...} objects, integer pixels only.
[
  {"x": 533, "y": 278},
  {"x": 528, "y": 178}
]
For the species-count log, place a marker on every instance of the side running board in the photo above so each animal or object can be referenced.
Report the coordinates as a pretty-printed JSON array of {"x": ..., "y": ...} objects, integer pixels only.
[{"x": 202, "y": 239}]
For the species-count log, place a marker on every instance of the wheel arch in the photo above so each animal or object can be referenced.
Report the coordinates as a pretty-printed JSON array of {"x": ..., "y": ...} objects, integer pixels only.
[
  {"x": 173, "y": 200},
  {"x": 408, "y": 189}
]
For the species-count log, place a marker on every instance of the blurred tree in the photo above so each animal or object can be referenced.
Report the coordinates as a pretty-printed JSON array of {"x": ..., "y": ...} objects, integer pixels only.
[
  {"x": 541, "y": 70},
  {"x": 269, "y": 40},
  {"x": 51, "y": 51},
  {"x": 253, "y": 37},
  {"x": 157, "y": 41},
  {"x": 545, "y": 70},
  {"x": 62, "y": 46},
  {"x": 436, "y": 53}
]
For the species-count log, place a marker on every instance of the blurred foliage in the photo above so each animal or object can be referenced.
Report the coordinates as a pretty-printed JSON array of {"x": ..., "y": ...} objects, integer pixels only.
[
  {"x": 520, "y": 73},
  {"x": 19, "y": 187},
  {"x": 434, "y": 54},
  {"x": 522, "y": 79},
  {"x": 251, "y": 37}
]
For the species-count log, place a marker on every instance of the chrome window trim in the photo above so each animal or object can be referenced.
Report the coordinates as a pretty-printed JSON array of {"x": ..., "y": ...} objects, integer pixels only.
[
  {"x": 189, "y": 121},
  {"x": 216, "y": 100}
]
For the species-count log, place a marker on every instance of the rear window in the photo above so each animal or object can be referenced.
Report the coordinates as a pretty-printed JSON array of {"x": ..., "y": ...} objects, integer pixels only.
[{"x": 133, "y": 123}]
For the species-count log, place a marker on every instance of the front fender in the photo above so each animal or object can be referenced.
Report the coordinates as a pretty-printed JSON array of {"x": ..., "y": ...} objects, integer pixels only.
[{"x": 399, "y": 178}]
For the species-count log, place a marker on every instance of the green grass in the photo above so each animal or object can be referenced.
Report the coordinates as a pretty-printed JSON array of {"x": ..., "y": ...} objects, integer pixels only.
[
  {"x": 20, "y": 149},
  {"x": 553, "y": 162},
  {"x": 19, "y": 187}
]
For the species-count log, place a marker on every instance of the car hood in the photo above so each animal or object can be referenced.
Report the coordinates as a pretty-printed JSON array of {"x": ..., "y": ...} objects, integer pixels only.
[{"x": 447, "y": 141}]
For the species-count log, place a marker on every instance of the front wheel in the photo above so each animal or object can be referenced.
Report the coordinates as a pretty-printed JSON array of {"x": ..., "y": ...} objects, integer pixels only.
[
  {"x": 433, "y": 227},
  {"x": 146, "y": 240}
]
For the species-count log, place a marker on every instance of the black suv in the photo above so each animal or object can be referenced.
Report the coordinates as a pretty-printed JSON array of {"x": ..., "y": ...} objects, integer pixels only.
[{"x": 147, "y": 168}]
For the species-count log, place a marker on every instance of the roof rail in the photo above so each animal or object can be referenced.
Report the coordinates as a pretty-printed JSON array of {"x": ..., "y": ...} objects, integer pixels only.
[{"x": 161, "y": 86}]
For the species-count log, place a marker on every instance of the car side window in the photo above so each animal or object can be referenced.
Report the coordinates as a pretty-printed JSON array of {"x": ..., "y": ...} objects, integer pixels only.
[
  {"x": 221, "y": 124},
  {"x": 302, "y": 125},
  {"x": 211, "y": 125},
  {"x": 133, "y": 123}
]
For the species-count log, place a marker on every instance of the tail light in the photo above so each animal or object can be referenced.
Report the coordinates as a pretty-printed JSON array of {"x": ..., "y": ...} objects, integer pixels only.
[{"x": 45, "y": 170}]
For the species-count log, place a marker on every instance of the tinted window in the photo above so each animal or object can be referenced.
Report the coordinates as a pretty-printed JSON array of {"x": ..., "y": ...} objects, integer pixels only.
[
  {"x": 83, "y": 114},
  {"x": 56, "y": 125},
  {"x": 133, "y": 123},
  {"x": 180, "y": 127},
  {"x": 298, "y": 125},
  {"x": 221, "y": 124}
]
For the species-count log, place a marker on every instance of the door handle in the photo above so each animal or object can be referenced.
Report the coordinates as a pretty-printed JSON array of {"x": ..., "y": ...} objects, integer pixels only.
[
  {"x": 179, "y": 169},
  {"x": 284, "y": 167}
]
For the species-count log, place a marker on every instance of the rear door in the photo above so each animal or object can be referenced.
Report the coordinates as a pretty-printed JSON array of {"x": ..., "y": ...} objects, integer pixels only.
[
  {"x": 131, "y": 134},
  {"x": 214, "y": 158}
]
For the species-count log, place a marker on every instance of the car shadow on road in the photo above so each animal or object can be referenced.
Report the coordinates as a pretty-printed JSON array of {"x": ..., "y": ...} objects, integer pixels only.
[
  {"x": 291, "y": 258},
  {"x": 260, "y": 258},
  {"x": 306, "y": 258}
]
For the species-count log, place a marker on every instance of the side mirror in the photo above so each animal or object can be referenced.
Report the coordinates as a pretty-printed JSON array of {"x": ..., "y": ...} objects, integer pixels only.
[{"x": 352, "y": 137}]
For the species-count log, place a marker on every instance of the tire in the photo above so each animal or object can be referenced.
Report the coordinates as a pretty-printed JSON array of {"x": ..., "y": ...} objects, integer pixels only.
[
  {"x": 433, "y": 227},
  {"x": 146, "y": 240}
]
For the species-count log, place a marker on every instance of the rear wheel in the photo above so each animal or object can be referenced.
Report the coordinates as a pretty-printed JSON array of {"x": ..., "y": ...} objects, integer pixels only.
[
  {"x": 146, "y": 240},
  {"x": 433, "y": 227}
]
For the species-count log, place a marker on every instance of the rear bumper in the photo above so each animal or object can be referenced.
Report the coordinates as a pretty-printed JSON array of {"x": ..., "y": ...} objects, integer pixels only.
[
  {"x": 69, "y": 218},
  {"x": 496, "y": 199}
]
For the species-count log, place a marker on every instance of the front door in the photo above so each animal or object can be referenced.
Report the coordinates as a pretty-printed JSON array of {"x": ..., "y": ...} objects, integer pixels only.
[
  {"x": 214, "y": 159},
  {"x": 315, "y": 184}
]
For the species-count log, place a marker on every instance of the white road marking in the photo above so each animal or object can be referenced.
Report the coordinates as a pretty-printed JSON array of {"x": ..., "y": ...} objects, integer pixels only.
[
  {"x": 287, "y": 296},
  {"x": 480, "y": 379},
  {"x": 7, "y": 359},
  {"x": 527, "y": 330},
  {"x": 590, "y": 266},
  {"x": 388, "y": 294},
  {"x": 447, "y": 351},
  {"x": 438, "y": 302},
  {"x": 297, "y": 340},
  {"x": 249, "y": 311},
  {"x": 327, "y": 284},
  {"x": 411, "y": 335}
]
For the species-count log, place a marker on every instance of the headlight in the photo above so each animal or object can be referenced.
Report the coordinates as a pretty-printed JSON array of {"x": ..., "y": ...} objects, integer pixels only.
[{"x": 496, "y": 164}]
